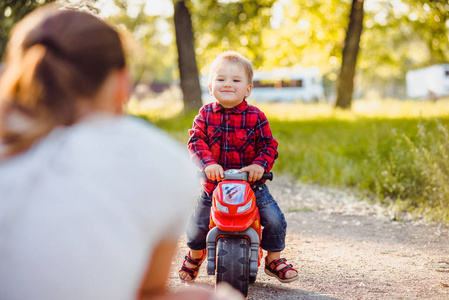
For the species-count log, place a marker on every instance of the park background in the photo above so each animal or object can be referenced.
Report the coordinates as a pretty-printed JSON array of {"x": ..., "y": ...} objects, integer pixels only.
[{"x": 364, "y": 135}]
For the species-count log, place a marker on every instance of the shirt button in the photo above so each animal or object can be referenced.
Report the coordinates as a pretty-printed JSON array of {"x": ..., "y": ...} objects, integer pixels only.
[
  {"x": 228, "y": 138},
  {"x": 228, "y": 121}
]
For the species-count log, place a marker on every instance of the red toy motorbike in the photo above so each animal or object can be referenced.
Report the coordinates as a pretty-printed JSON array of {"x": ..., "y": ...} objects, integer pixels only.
[{"x": 235, "y": 232}]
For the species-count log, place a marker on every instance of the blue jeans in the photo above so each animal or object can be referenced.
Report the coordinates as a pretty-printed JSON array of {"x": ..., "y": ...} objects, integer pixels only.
[{"x": 271, "y": 218}]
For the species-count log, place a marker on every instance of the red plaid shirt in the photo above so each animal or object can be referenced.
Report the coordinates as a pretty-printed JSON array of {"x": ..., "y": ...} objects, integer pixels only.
[{"x": 233, "y": 138}]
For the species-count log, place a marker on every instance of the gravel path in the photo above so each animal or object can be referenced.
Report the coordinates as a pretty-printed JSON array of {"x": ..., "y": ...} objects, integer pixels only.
[{"x": 345, "y": 248}]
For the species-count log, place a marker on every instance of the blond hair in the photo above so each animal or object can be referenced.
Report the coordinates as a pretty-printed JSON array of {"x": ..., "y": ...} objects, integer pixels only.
[
  {"x": 235, "y": 58},
  {"x": 54, "y": 58}
]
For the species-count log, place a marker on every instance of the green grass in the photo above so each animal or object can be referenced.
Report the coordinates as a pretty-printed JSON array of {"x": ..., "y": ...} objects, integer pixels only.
[
  {"x": 391, "y": 160},
  {"x": 391, "y": 151},
  {"x": 298, "y": 209}
]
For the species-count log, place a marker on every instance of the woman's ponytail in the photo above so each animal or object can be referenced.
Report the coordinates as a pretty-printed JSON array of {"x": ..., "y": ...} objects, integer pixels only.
[
  {"x": 54, "y": 58},
  {"x": 21, "y": 114}
]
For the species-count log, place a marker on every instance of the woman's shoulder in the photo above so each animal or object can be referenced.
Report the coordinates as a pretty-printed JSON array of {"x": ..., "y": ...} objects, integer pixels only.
[
  {"x": 106, "y": 150},
  {"x": 129, "y": 138},
  {"x": 127, "y": 134}
]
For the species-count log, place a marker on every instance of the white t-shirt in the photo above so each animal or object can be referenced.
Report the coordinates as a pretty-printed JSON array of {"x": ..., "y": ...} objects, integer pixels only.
[{"x": 81, "y": 211}]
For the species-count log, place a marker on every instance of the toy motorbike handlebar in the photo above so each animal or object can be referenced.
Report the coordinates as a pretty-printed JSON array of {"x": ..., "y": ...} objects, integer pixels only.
[
  {"x": 267, "y": 176},
  {"x": 233, "y": 174}
]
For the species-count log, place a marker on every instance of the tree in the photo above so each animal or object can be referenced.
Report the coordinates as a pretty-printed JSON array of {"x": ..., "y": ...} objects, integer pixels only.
[
  {"x": 12, "y": 11},
  {"x": 430, "y": 22},
  {"x": 230, "y": 25},
  {"x": 398, "y": 37},
  {"x": 345, "y": 84},
  {"x": 309, "y": 33},
  {"x": 151, "y": 56},
  {"x": 188, "y": 70}
]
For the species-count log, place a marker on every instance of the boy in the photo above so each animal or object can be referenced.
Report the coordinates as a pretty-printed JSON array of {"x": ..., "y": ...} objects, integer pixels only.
[{"x": 230, "y": 134}]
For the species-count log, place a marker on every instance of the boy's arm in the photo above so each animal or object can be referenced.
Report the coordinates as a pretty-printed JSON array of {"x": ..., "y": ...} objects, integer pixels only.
[
  {"x": 197, "y": 144},
  {"x": 266, "y": 144}
]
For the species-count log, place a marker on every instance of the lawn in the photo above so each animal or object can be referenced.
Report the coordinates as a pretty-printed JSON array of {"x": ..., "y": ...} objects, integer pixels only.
[{"x": 395, "y": 152}]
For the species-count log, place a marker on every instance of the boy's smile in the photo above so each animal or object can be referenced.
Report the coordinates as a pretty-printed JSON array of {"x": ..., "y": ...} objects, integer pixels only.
[{"x": 230, "y": 85}]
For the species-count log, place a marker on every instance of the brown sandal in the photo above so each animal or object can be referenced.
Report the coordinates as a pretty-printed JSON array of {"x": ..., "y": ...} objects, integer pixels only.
[
  {"x": 193, "y": 272},
  {"x": 270, "y": 269}
]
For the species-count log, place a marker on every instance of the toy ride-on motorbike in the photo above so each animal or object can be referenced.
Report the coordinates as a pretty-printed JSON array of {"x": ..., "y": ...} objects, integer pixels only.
[{"x": 235, "y": 232}]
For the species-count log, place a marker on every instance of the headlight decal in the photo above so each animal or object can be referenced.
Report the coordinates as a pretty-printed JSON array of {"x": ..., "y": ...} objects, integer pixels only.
[
  {"x": 245, "y": 207},
  {"x": 221, "y": 207}
]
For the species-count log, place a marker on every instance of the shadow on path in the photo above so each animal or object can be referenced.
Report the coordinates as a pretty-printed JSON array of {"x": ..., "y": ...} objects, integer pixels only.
[{"x": 265, "y": 291}]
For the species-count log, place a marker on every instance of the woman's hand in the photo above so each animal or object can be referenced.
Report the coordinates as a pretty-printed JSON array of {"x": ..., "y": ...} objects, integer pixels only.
[{"x": 255, "y": 172}]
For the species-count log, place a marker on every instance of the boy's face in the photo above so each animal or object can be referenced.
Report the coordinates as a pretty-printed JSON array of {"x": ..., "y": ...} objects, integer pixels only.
[{"x": 229, "y": 85}]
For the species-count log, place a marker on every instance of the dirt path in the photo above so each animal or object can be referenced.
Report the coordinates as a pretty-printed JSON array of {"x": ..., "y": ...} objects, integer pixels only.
[{"x": 347, "y": 249}]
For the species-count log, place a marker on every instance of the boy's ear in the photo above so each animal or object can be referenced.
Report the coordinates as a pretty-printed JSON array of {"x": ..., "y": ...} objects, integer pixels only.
[
  {"x": 248, "y": 90},
  {"x": 210, "y": 88}
]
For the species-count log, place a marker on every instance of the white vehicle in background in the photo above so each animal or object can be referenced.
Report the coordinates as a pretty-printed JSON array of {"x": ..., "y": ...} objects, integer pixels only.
[
  {"x": 280, "y": 85},
  {"x": 205, "y": 94},
  {"x": 288, "y": 85},
  {"x": 430, "y": 82}
]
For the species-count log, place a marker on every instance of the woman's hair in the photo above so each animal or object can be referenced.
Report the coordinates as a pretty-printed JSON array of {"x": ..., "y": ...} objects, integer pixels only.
[
  {"x": 54, "y": 58},
  {"x": 235, "y": 58}
]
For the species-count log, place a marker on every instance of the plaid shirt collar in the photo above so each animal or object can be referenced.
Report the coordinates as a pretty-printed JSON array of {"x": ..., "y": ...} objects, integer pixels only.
[{"x": 216, "y": 107}]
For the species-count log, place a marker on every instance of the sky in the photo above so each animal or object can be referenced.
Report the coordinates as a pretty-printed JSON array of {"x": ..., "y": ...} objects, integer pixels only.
[
  {"x": 151, "y": 7},
  {"x": 165, "y": 7}
]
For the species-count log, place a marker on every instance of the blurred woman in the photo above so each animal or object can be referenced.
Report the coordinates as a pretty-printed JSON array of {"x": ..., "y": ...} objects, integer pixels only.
[{"x": 91, "y": 202}]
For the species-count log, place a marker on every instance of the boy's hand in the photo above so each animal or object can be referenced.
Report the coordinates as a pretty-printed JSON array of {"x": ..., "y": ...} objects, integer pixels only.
[
  {"x": 255, "y": 172},
  {"x": 214, "y": 172}
]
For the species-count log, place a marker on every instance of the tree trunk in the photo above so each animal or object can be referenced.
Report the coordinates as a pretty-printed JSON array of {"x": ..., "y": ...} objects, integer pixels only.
[
  {"x": 188, "y": 70},
  {"x": 345, "y": 84}
]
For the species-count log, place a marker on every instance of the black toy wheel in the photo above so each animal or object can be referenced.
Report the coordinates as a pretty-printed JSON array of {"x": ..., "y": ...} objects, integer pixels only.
[
  {"x": 233, "y": 262},
  {"x": 252, "y": 279}
]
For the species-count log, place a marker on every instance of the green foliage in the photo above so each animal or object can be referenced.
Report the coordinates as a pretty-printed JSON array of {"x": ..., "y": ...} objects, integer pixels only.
[
  {"x": 151, "y": 56},
  {"x": 400, "y": 161},
  {"x": 315, "y": 31},
  {"x": 391, "y": 160},
  {"x": 234, "y": 25},
  {"x": 400, "y": 36},
  {"x": 271, "y": 33},
  {"x": 177, "y": 127},
  {"x": 434, "y": 14},
  {"x": 430, "y": 152}
]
